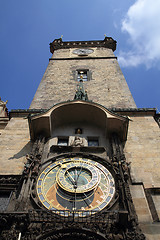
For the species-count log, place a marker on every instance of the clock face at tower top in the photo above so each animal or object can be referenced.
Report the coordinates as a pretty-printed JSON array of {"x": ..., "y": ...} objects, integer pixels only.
[
  {"x": 75, "y": 184},
  {"x": 83, "y": 51}
]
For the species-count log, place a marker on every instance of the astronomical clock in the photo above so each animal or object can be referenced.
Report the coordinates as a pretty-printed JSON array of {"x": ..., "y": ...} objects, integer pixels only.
[{"x": 75, "y": 184}]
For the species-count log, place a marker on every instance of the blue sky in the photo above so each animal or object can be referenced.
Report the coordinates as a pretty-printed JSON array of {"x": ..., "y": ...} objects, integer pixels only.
[{"x": 27, "y": 28}]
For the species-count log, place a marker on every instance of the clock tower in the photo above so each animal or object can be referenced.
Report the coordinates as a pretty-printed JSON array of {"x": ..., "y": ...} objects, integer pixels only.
[
  {"x": 95, "y": 60},
  {"x": 80, "y": 167}
]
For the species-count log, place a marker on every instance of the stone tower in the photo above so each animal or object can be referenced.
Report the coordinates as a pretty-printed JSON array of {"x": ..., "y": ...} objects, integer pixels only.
[
  {"x": 104, "y": 81},
  {"x": 83, "y": 161}
]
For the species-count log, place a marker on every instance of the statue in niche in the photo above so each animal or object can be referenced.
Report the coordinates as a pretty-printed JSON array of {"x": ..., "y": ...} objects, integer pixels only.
[
  {"x": 78, "y": 131},
  {"x": 77, "y": 142},
  {"x": 3, "y": 109},
  {"x": 2, "y": 103}
]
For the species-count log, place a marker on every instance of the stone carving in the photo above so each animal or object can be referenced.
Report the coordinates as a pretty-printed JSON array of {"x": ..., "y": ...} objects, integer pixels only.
[
  {"x": 18, "y": 223},
  {"x": 77, "y": 142},
  {"x": 123, "y": 171},
  {"x": 135, "y": 235},
  {"x": 2, "y": 103},
  {"x": 30, "y": 172},
  {"x": 29, "y": 164},
  {"x": 3, "y": 108},
  {"x": 5, "y": 179},
  {"x": 80, "y": 93},
  {"x": 34, "y": 159}
]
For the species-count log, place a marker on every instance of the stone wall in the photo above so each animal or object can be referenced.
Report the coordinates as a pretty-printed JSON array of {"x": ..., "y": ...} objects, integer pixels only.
[
  {"x": 14, "y": 145},
  {"x": 107, "y": 86},
  {"x": 143, "y": 151}
]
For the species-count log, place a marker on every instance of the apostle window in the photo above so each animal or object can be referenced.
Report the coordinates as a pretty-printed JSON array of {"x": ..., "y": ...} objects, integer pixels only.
[
  {"x": 93, "y": 142},
  {"x": 62, "y": 141},
  {"x": 83, "y": 74}
]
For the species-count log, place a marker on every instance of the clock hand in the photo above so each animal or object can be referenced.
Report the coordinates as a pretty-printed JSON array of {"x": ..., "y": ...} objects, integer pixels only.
[
  {"x": 75, "y": 177},
  {"x": 79, "y": 173},
  {"x": 75, "y": 199},
  {"x": 71, "y": 178},
  {"x": 87, "y": 199}
]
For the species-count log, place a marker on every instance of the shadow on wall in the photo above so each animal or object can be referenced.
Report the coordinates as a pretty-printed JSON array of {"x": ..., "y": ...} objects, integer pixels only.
[{"x": 25, "y": 150}]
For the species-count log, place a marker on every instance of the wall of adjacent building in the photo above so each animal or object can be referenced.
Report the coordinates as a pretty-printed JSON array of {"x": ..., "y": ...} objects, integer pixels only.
[
  {"x": 142, "y": 150},
  {"x": 14, "y": 145}
]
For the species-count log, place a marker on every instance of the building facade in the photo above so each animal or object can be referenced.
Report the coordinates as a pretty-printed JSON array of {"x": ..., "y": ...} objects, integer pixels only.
[{"x": 83, "y": 161}]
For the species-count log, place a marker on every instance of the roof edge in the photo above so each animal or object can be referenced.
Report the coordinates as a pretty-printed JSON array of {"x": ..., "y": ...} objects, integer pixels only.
[
  {"x": 121, "y": 111},
  {"x": 108, "y": 42}
]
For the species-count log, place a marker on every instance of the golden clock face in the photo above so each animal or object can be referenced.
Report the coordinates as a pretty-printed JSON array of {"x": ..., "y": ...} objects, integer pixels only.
[{"x": 75, "y": 184}]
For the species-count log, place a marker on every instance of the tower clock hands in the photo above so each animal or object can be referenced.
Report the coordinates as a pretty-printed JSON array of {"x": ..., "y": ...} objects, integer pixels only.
[
  {"x": 71, "y": 178},
  {"x": 87, "y": 199},
  {"x": 75, "y": 178},
  {"x": 75, "y": 199},
  {"x": 79, "y": 173}
]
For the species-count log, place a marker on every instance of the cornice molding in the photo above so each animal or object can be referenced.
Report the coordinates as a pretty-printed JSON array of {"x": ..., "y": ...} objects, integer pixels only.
[{"x": 108, "y": 42}]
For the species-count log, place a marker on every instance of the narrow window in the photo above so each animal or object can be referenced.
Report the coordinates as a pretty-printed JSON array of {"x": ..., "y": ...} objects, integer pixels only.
[
  {"x": 63, "y": 141},
  {"x": 82, "y": 75},
  {"x": 93, "y": 142}
]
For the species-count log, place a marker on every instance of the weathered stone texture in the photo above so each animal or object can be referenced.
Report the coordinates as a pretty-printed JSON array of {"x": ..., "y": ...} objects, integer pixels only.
[
  {"x": 142, "y": 149},
  {"x": 14, "y": 145},
  {"x": 156, "y": 200},
  {"x": 140, "y": 203},
  {"x": 151, "y": 231},
  {"x": 106, "y": 87}
]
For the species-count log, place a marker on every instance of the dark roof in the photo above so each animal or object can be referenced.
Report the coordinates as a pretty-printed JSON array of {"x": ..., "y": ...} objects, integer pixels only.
[{"x": 108, "y": 42}]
